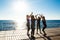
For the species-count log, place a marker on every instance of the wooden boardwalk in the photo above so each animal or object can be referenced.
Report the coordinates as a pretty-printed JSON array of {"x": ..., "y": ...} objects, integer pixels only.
[{"x": 52, "y": 34}]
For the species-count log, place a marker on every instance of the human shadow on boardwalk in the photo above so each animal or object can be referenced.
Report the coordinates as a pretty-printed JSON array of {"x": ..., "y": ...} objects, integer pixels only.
[
  {"x": 45, "y": 37},
  {"x": 48, "y": 38},
  {"x": 30, "y": 38}
]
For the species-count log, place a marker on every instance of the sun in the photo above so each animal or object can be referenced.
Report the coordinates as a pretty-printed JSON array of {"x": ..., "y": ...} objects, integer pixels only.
[{"x": 19, "y": 6}]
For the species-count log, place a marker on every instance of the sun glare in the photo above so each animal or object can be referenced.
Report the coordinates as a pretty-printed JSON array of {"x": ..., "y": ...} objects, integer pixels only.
[{"x": 19, "y": 7}]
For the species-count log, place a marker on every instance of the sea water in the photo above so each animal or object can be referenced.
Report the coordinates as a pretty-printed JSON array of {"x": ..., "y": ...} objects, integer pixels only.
[
  {"x": 11, "y": 25},
  {"x": 52, "y": 23},
  {"x": 7, "y": 25}
]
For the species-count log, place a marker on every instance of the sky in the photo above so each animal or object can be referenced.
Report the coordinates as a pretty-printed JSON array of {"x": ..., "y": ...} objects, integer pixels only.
[{"x": 18, "y": 9}]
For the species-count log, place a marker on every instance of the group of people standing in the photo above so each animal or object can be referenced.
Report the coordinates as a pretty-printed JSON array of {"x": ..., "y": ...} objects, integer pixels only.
[{"x": 32, "y": 19}]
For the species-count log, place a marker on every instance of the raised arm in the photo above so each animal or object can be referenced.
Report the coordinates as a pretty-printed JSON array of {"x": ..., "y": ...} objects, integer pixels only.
[
  {"x": 35, "y": 16},
  {"x": 31, "y": 14}
]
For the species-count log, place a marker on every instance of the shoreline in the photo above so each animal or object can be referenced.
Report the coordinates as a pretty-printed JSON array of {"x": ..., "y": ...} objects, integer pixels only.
[{"x": 35, "y": 28}]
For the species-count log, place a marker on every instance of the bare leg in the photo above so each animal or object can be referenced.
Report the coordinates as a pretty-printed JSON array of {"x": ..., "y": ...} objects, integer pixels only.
[{"x": 37, "y": 29}]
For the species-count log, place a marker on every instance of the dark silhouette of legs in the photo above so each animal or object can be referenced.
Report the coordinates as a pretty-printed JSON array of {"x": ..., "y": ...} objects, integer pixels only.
[
  {"x": 32, "y": 34},
  {"x": 32, "y": 31},
  {"x": 38, "y": 28},
  {"x": 44, "y": 30},
  {"x": 28, "y": 31}
]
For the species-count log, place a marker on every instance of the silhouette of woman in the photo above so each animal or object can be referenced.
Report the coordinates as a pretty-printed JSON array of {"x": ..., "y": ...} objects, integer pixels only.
[
  {"x": 32, "y": 25},
  {"x": 28, "y": 24},
  {"x": 38, "y": 23},
  {"x": 44, "y": 24}
]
